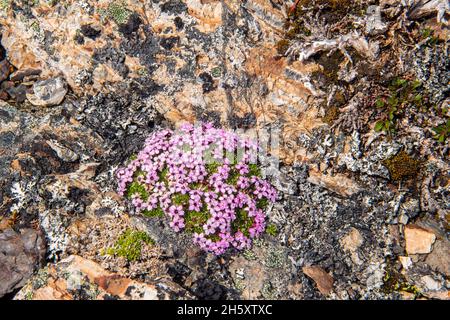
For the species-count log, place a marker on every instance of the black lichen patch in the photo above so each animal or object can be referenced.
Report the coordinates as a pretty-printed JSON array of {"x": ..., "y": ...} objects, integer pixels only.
[
  {"x": 331, "y": 11},
  {"x": 169, "y": 43},
  {"x": 113, "y": 57},
  {"x": 86, "y": 291},
  {"x": 179, "y": 24},
  {"x": 106, "y": 114},
  {"x": 145, "y": 87},
  {"x": 5, "y": 116},
  {"x": 44, "y": 160},
  {"x": 178, "y": 271},
  {"x": 207, "y": 116},
  {"x": 131, "y": 26},
  {"x": 402, "y": 166},
  {"x": 20, "y": 75},
  {"x": 130, "y": 290},
  {"x": 208, "y": 82},
  {"x": 17, "y": 93},
  {"x": 247, "y": 121},
  {"x": 23, "y": 7},
  {"x": 103, "y": 211},
  {"x": 143, "y": 48},
  {"x": 330, "y": 66},
  {"x": 209, "y": 290},
  {"x": 78, "y": 38},
  {"x": 88, "y": 31},
  {"x": 78, "y": 195},
  {"x": 2, "y": 51},
  {"x": 335, "y": 10},
  {"x": 174, "y": 7}
]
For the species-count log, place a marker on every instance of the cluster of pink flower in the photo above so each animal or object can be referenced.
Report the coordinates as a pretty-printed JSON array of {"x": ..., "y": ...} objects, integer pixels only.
[{"x": 190, "y": 172}]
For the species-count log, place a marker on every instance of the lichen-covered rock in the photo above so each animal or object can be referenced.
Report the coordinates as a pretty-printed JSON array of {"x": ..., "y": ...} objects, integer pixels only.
[
  {"x": 77, "y": 278},
  {"x": 21, "y": 254},
  {"x": 320, "y": 78},
  {"x": 48, "y": 92},
  {"x": 439, "y": 258}
]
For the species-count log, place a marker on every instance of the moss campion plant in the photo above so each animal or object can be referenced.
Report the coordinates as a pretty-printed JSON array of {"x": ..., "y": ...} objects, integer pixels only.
[{"x": 185, "y": 176}]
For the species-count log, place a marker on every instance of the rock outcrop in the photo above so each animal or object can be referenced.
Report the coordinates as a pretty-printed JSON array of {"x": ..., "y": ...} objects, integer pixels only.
[
  {"x": 78, "y": 278},
  {"x": 21, "y": 254},
  {"x": 362, "y": 173}
]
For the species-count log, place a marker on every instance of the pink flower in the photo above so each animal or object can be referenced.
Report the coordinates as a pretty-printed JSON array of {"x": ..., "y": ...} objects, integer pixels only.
[
  {"x": 182, "y": 155},
  {"x": 176, "y": 211}
]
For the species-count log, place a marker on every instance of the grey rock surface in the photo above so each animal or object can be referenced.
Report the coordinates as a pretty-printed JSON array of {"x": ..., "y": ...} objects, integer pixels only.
[
  {"x": 21, "y": 254},
  {"x": 111, "y": 83},
  {"x": 50, "y": 92}
]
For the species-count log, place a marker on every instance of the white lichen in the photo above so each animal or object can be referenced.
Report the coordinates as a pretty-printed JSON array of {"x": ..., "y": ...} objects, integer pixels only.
[
  {"x": 19, "y": 195},
  {"x": 54, "y": 226}
]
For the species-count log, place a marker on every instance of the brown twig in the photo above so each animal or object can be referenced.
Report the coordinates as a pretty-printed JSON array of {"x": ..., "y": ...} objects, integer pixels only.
[{"x": 293, "y": 7}]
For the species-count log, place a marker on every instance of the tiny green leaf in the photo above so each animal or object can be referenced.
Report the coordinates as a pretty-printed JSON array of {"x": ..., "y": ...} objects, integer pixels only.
[
  {"x": 380, "y": 103},
  {"x": 378, "y": 126},
  {"x": 415, "y": 84},
  {"x": 393, "y": 101}
]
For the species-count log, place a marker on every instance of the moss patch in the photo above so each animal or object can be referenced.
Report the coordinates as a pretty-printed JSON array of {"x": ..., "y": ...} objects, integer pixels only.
[
  {"x": 157, "y": 212},
  {"x": 137, "y": 188},
  {"x": 180, "y": 199},
  {"x": 331, "y": 115},
  {"x": 194, "y": 220},
  {"x": 272, "y": 230},
  {"x": 129, "y": 244},
  {"x": 428, "y": 35},
  {"x": 233, "y": 177},
  {"x": 282, "y": 46},
  {"x": 402, "y": 166},
  {"x": 162, "y": 175},
  {"x": 262, "y": 203},
  {"x": 254, "y": 170},
  {"x": 211, "y": 168}
]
